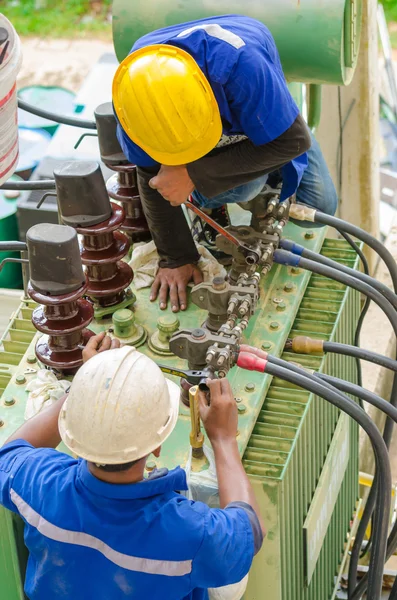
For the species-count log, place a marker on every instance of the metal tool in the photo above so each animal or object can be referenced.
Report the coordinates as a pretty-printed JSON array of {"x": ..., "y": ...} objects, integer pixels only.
[
  {"x": 194, "y": 377},
  {"x": 252, "y": 256},
  {"x": 196, "y": 435}
]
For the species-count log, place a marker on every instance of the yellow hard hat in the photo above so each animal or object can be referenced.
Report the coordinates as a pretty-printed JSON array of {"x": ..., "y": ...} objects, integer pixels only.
[{"x": 166, "y": 105}]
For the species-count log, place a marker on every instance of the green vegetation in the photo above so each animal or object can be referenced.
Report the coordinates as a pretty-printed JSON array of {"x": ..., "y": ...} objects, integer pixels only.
[
  {"x": 390, "y": 9},
  {"x": 59, "y": 18}
]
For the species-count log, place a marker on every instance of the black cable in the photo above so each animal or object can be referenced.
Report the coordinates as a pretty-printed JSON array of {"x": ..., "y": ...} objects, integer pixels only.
[
  {"x": 361, "y": 353},
  {"x": 11, "y": 246},
  {"x": 377, "y": 560},
  {"x": 283, "y": 257},
  {"x": 21, "y": 186},
  {"x": 366, "y": 306},
  {"x": 40, "y": 112}
]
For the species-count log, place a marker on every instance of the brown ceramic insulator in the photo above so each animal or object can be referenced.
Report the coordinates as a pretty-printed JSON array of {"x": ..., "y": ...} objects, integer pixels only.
[
  {"x": 122, "y": 186},
  {"x": 102, "y": 249},
  {"x": 64, "y": 320}
]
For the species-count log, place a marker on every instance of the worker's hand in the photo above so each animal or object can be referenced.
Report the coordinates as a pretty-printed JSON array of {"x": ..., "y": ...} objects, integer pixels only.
[
  {"x": 220, "y": 418},
  {"x": 174, "y": 282},
  {"x": 173, "y": 183},
  {"x": 99, "y": 343}
]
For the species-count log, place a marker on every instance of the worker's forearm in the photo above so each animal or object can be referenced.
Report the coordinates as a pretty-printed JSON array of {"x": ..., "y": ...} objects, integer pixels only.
[
  {"x": 233, "y": 483},
  {"x": 167, "y": 224},
  {"x": 41, "y": 430},
  {"x": 231, "y": 166}
]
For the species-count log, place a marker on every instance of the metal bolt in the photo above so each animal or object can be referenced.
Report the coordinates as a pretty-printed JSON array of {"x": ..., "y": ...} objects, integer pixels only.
[
  {"x": 282, "y": 306},
  {"x": 31, "y": 359},
  {"x": 274, "y": 325},
  {"x": 309, "y": 235},
  {"x": 288, "y": 287},
  {"x": 20, "y": 379},
  {"x": 9, "y": 401},
  {"x": 218, "y": 283},
  {"x": 277, "y": 300},
  {"x": 250, "y": 387},
  {"x": 150, "y": 466},
  {"x": 241, "y": 409},
  {"x": 201, "y": 298},
  {"x": 296, "y": 270},
  {"x": 266, "y": 345},
  {"x": 198, "y": 334},
  {"x": 1, "y": 422}
]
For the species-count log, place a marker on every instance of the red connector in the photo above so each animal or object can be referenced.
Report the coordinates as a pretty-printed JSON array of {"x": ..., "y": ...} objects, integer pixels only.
[
  {"x": 252, "y": 350},
  {"x": 250, "y": 362}
]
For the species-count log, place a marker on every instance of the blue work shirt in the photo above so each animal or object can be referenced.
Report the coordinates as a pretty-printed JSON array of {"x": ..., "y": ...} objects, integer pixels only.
[
  {"x": 91, "y": 539},
  {"x": 239, "y": 58}
]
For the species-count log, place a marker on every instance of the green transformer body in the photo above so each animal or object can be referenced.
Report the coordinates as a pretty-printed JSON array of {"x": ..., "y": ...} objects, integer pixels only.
[
  {"x": 318, "y": 40},
  {"x": 300, "y": 453}
]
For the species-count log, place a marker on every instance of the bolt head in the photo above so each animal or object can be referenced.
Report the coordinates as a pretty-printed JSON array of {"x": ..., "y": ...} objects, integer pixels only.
[
  {"x": 266, "y": 345},
  {"x": 31, "y": 359},
  {"x": 274, "y": 325},
  {"x": 288, "y": 287},
  {"x": 218, "y": 283},
  {"x": 198, "y": 334},
  {"x": 241, "y": 409},
  {"x": 296, "y": 270},
  {"x": 20, "y": 379},
  {"x": 250, "y": 387},
  {"x": 282, "y": 306},
  {"x": 9, "y": 401},
  {"x": 309, "y": 235}
]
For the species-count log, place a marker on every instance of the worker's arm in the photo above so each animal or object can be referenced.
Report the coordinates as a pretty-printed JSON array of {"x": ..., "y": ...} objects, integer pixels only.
[
  {"x": 231, "y": 166},
  {"x": 41, "y": 431},
  {"x": 220, "y": 420}
]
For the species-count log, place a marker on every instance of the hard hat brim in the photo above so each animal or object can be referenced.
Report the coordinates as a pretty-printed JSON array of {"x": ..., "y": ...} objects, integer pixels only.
[{"x": 174, "y": 393}]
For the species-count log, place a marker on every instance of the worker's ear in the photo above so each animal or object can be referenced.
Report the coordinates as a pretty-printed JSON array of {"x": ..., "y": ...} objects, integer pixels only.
[{"x": 157, "y": 452}]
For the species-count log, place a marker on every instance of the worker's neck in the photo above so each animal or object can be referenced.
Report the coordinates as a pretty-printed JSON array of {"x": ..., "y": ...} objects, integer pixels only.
[{"x": 133, "y": 475}]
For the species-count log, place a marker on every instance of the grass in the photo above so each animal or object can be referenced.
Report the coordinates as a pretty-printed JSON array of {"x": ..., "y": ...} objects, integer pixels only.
[{"x": 59, "y": 18}]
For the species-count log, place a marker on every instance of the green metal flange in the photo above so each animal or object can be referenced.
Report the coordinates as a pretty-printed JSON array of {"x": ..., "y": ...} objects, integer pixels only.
[
  {"x": 102, "y": 312},
  {"x": 159, "y": 342},
  {"x": 126, "y": 329}
]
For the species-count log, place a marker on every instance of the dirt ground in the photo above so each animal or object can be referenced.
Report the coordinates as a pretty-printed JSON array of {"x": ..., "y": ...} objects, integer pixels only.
[{"x": 60, "y": 62}]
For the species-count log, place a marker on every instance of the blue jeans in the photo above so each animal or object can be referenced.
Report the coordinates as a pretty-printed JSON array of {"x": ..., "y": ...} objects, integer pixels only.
[{"x": 316, "y": 188}]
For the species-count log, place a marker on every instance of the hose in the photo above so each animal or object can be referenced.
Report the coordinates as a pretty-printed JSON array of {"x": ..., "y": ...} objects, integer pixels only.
[
  {"x": 363, "y": 312},
  {"x": 40, "y": 112},
  {"x": 10, "y": 246},
  {"x": 283, "y": 257},
  {"x": 382, "y": 509},
  {"x": 21, "y": 186},
  {"x": 306, "y": 253}
]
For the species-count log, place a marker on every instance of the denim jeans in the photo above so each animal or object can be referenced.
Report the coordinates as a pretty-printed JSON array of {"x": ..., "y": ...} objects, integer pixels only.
[{"x": 316, "y": 188}]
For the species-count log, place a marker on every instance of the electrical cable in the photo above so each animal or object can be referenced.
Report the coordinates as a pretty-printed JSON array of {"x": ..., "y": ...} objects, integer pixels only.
[
  {"x": 377, "y": 559},
  {"x": 21, "y": 186},
  {"x": 364, "y": 310},
  {"x": 64, "y": 120},
  {"x": 306, "y": 253},
  {"x": 11, "y": 246},
  {"x": 284, "y": 257},
  {"x": 361, "y": 353}
]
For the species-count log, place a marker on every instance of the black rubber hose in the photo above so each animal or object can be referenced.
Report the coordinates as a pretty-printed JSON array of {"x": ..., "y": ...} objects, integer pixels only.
[
  {"x": 11, "y": 246},
  {"x": 283, "y": 257},
  {"x": 363, "y": 236},
  {"x": 21, "y": 186},
  {"x": 363, "y": 312},
  {"x": 381, "y": 287},
  {"x": 361, "y": 353},
  {"x": 377, "y": 560},
  {"x": 358, "y": 391},
  {"x": 64, "y": 120}
]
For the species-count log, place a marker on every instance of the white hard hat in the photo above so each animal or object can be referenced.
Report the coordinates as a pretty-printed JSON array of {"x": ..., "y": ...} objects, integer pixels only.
[{"x": 120, "y": 408}]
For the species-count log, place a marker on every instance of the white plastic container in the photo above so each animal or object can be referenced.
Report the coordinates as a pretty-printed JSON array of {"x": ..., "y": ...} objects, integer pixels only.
[{"x": 9, "y": 68}]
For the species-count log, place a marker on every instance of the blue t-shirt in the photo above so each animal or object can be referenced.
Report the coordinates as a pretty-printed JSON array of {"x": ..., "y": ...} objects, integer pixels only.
[
  {"x": 239, "y": 57},
  {"x": 91, "y": 539}
]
